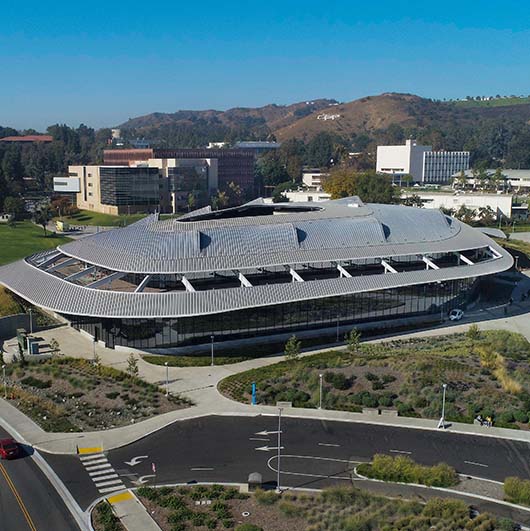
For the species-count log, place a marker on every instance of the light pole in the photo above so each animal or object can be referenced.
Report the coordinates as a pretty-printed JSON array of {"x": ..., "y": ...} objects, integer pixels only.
[
  {"x": 5, "y": 381},
  {"x": 441, "y": 424},
  {"x": 212, "y": 337},
  {"x": 320, "y": 400},
  {"x": 517, "y": 262},
  {"x": 337, "y": 327},
  {"x": 278, "y": 487},
  {"x": 167, "y": 378}
]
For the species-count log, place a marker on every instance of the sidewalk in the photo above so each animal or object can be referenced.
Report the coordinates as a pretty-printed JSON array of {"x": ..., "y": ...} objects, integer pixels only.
[
  {"x": 131, "y": 512},
  {"x": 200, "y": 385}
]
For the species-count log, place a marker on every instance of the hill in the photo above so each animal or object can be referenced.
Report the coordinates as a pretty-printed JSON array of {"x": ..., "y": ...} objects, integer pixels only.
[
  {"x": 370, "y": 115},
  {"x": 269, "y": 118},
  {"x": 376, "y": 113}
]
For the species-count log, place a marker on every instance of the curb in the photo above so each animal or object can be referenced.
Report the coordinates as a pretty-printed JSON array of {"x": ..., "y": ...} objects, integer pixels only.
[{"x": 450, "y": 491}]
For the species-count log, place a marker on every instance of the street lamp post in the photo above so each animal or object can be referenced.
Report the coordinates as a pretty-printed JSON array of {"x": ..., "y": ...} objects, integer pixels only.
[
  {"x": 212, "y": 337},
  {"x": 167, "y": 378},
  {"x": 278, "y": 487},
  {"x": 5, "y": 381},
  {"x": 441, "y": 424},
  {"x": 320, "y": 400}
]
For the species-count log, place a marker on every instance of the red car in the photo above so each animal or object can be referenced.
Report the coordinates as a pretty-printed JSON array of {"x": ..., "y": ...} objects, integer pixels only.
[{"x": 8, "y": 449}]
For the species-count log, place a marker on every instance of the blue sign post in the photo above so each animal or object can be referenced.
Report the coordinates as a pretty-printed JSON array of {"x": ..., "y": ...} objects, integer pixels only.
[{"x": 253, "y": 393}]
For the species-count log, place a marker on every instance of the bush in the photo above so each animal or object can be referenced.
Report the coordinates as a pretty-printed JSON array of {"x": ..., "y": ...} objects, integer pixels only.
[
  {"x": 337, "y": 380},
  {"x": 290, "y": 509},
  {"x": 521, "y": 416},
  {"x": 517, "y": 490},
  {"x": 266, "y": 497},
  {"x": 149, "y": 493},
  {"x": 404, "y": 470},
  {"x": 109, "y": 520},
  {"x": 112, "y": 395},
  {"x": 36, "y": 382}
]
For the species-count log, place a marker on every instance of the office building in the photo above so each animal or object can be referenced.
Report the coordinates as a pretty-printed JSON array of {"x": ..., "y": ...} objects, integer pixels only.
[{"x": 424, "y": 165}]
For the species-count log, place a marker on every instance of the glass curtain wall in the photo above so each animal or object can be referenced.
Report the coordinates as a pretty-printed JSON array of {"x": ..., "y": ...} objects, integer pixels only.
[{"x": 434, "y": 298}]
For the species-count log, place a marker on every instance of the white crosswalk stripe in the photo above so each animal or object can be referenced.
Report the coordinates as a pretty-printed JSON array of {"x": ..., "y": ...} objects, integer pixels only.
[{"x": 101, "y": 473}]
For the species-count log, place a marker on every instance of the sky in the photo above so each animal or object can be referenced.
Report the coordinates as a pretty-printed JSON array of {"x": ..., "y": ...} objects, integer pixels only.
[{"x": 100, "y": 63}]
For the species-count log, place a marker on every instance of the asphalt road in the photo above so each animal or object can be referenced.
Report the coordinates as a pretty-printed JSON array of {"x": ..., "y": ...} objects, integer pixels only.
[
  {"x": 315, "y": 454},
  {"x": 28, "y": 502}
]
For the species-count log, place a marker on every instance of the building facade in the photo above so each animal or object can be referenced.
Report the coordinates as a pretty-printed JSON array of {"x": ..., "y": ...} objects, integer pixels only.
[
  {"x": 424, "y": 165},
  {"x": 233, "y": 165},
  {"x": 259, "y": 270}
]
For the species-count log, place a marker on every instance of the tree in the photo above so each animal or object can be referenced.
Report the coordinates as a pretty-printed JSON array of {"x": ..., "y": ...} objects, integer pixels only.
[
  {"x": 460, "y": 182},
  {"x": 15, "y": 206},
  {"x": 54, "y": 346},
  {"x": 292, "y": 348},
  {"x": 41, "y": 217},
  {"x": 353, "y": 339},
  {"x": 220, "y": 200},
  {"x": 413, "y": 200},
  {"x": 466, "y": 215},
  {"x": 371, "y": 187},
  {"x": 234, "y": 193},
  {"x": 132, "y": 366},
  {"x": 191, "y": 201},
  {"x": 486, "y": 215}
]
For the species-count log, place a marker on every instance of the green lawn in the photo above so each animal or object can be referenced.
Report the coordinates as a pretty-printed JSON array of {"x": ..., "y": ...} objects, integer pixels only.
[
  {"x": 86, "y": 217},
  {"x": 24, "y": 239},
  {"x": 497, "y": 102}
]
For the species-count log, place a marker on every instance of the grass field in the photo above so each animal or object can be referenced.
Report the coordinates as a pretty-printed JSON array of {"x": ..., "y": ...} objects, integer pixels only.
[
  {"x": 24, "y": 239},
  {"x": 497, "y": 102},
  {"x": 86, "y": 217}
]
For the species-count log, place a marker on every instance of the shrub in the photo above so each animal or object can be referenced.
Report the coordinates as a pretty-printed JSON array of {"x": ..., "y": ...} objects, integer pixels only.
[
  {"x": 112, "y": 395},
  {"x": 36, "y": 382},
  {"x": 404, "y": 470},
  {"x": 290, "y": 509},
  {"x": 337, "y": 380},
  {"x": 517, "y": 490},
  {"x": 521, "y": 416},
  {"x": 266, "y": 497},
  {"x": 149, "y": 493},
  {"x": 198, "y": 519},
  {"x": 109, "y": 520}
]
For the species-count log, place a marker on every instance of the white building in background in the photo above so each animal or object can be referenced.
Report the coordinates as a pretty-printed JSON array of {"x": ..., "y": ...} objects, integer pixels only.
[
  {"x": 425, "y": 165},
  {"x": 312, "y": 178},
  {"x": 501, "y": 204}
]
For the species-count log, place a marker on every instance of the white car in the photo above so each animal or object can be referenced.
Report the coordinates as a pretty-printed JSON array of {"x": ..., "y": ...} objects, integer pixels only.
[{"x": 456, "y": 315}]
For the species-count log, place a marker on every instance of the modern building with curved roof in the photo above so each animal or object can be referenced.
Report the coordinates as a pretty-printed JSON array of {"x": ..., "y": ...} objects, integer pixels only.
[{"x": 258, "y": 269}]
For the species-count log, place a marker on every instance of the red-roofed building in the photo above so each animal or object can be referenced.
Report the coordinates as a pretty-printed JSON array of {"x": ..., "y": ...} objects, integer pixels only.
[{"x": 27, "y": 138}]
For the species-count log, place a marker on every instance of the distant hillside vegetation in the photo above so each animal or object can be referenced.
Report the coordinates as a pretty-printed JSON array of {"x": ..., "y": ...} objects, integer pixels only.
[{"x": 370, "y": 116}]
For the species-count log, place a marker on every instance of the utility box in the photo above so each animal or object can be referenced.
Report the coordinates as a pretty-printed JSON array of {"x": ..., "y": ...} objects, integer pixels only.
[
  {"x": 62, "y": 226},
  {"x": 255, "y": 481}
]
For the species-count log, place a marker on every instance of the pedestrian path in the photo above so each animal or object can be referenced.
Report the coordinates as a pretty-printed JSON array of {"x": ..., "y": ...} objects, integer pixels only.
[{"x": 101, "y": 472}]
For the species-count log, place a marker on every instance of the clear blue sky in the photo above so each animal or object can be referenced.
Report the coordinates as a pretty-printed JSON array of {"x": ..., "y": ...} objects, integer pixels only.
[{"x": 102, "y": 62}]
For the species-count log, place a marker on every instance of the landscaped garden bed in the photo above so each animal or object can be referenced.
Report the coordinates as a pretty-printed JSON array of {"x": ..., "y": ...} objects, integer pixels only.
[
  {"x": 200, "y": 508},
  {"x": 487, "y": 373},
  {"x": 67, "y": 394}
]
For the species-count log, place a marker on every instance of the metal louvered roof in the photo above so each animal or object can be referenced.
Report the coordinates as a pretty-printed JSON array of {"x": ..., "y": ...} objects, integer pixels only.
[
  {"x": 53, "y": 293},
  {"x": 342, "y": 229}
]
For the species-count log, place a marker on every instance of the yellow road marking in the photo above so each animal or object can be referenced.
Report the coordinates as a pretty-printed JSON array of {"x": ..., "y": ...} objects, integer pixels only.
[
  {"x": 93, "y": 450},
  {"x": 18, "y": 498},
  {"x": 120, "y": 497}
]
